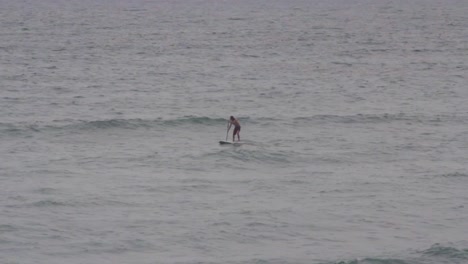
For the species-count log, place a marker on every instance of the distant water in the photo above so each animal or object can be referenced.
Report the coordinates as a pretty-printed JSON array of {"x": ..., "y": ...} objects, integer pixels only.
[{"x": 354, "y": 122}]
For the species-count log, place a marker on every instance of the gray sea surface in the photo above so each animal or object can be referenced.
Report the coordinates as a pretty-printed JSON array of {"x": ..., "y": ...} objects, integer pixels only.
[{"x": 354, "y": 131}]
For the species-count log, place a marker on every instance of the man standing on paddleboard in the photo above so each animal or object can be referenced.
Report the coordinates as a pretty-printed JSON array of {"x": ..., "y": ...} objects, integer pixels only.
[{"x": 237, "y": 128}]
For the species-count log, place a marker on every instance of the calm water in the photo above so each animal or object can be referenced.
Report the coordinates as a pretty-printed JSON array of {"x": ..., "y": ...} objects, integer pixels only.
[{"x": 354, "y": 121}]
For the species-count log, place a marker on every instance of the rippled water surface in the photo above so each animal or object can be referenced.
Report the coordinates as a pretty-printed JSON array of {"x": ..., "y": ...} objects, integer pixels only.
[{"x": 354, "y": 132}]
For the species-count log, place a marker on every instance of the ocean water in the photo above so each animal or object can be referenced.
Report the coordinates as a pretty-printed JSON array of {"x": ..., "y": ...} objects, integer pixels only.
[{"x": 354, "y": 122}]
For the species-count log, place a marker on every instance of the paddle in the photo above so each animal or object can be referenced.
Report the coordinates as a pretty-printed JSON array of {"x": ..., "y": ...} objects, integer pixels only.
[{"x": 227, "y": 132}]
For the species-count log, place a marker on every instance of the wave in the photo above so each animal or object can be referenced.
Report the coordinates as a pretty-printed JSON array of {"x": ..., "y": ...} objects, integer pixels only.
[
  {"x": 436, "y": 254},
  {"x": 350, "y": 119},
  {"x": 381, "y": 118},
  {"x": 375, "y": 261},
  {"x": 455, "y": 175},
  {"x": 446, "y": 253},
  {"x": 190, "y": 120},
  {"x": 24, "y": 128},
  {"x": 50, "y": 203},
  {"x": 27, "y": 128},
  {"x": 136, "y": 123}
]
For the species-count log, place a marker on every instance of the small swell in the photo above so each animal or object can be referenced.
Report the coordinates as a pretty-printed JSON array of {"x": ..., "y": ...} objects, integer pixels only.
[
  {"x": 12, "y": 129},
  {"x": 455, "y": 175},
  {"x": 446, "y": 252}
]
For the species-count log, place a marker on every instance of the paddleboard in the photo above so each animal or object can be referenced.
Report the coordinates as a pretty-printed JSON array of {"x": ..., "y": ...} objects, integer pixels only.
[{"x": 222, "y": 142}]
